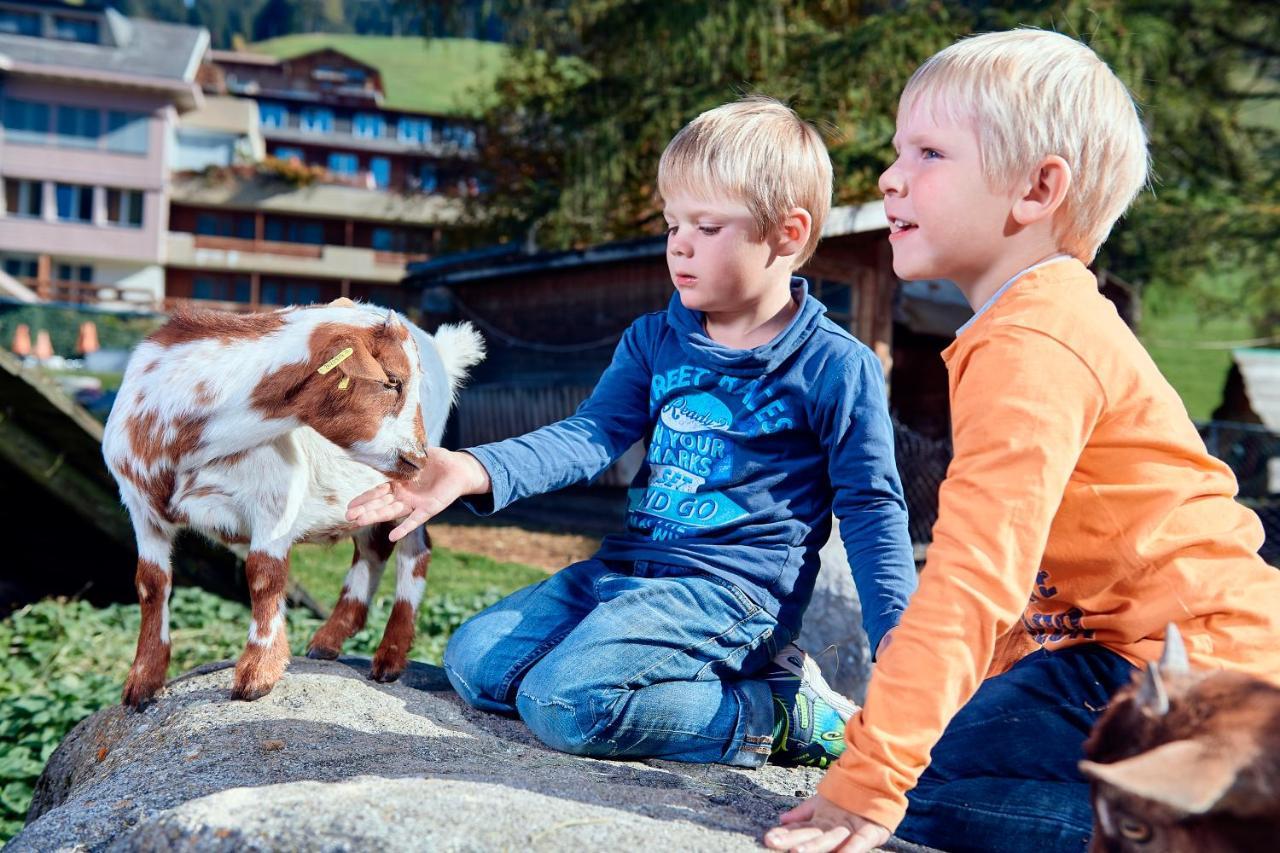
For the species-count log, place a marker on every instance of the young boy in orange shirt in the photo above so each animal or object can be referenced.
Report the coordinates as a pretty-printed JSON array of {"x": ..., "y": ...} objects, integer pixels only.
[{"x": 1081, "y": 513}]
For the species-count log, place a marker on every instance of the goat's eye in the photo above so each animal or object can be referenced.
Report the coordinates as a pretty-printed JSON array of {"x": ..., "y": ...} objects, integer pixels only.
[
  {"x": 393, "y": 383},
  {"x": 1135, "y": 830}
]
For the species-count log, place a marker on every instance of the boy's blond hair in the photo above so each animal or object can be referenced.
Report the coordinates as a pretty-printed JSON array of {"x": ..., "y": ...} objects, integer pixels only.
[
  {"x": 1030, "y": 94},
  {"x": 758, "y": 151}
]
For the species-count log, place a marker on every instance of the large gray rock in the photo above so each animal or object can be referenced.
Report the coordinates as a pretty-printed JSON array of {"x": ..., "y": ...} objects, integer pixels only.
[
  {"x": 832, "y": 631},
  {"x": 330, "y": 760}
]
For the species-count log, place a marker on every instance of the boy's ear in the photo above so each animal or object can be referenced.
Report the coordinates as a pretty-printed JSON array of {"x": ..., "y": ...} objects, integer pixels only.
[
  {"x": 793, "y": 231},
  {"x": 1044, "y": 193}
]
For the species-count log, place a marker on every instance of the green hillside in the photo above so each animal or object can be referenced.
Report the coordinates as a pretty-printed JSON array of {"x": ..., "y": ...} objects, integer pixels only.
[{"x": 441, "y": 76}]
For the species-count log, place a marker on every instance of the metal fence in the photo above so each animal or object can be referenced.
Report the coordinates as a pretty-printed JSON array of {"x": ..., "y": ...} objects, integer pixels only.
[{"x": 1252, "y": 451}]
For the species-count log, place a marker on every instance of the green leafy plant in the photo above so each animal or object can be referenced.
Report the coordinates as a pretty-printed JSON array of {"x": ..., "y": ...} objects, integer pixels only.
[{"x": 61, "y": 660}]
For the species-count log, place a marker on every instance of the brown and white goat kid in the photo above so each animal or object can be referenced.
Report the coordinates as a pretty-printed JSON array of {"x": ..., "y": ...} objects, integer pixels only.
[
  {"x": 256, "y": 431},
  {"x": 1186, "y": 761}
]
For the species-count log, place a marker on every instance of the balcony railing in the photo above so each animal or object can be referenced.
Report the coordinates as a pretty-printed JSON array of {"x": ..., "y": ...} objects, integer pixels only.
[
  {"x": 268, "y": 247},
  {"x": 92, "y": 293}
]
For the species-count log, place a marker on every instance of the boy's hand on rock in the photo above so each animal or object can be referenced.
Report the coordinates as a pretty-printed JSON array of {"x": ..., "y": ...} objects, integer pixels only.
[
  {"x": 818, "y": 825},
  {"x": 446, "y": 476}
]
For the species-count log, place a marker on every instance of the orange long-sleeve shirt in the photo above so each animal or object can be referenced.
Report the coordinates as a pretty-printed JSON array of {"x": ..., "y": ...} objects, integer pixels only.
[{"x": 1078, "y": 485}]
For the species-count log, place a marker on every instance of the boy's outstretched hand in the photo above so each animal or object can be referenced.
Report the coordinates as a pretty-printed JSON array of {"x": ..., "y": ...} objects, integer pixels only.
[
  {"x": 818, "y": 825},
  {"x": 446, "y": 476}
]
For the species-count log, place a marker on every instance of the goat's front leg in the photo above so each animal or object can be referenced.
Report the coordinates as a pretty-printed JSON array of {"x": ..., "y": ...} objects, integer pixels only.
[
  {"x": 154, "y": 582},
  {"x": 412, "y": 559},
  {"x": 267, "y": 653},
  {"x": 372, "y": 548}
]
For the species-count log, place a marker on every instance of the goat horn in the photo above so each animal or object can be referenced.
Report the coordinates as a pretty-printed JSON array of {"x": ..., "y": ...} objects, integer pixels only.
[
  {"x": 1174, "y": 658},
  {"x": 1152, "y": 697}
]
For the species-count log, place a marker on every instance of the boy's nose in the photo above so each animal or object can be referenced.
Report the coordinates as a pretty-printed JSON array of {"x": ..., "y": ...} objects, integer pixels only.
[{"x": 890, "y": 182}]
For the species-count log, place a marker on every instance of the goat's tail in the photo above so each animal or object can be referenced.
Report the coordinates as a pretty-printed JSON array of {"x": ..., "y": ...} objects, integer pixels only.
[{"x": 460, "y": 347}]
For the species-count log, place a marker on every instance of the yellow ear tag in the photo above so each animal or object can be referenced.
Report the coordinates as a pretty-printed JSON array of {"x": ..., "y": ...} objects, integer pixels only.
[
  {"x": 335, "y": 361},
  {"x": 346, "y": 380}
]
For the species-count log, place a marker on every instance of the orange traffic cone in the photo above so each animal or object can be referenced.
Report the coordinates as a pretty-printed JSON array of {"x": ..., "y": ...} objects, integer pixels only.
[
  {"x": 44, "y": 347},
  {"x": 21, "y": 340},
  {"x": 87, "y": 341}
]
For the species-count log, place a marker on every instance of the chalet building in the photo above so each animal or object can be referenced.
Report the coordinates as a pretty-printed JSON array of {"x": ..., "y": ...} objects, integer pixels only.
[
  {"x": 354, "y": 186},
  {"x": 89, "y": 101}
]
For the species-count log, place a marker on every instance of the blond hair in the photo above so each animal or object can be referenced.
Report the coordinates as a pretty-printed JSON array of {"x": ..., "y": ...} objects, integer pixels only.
[
  {"x": 758, "y": 151},
  {"x": 1030, "y": 94}
]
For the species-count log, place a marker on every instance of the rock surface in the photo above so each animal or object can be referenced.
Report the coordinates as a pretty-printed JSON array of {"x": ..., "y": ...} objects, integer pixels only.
[
  {"x": 832, "y": 631},
  {"x": 330, "y": 760}
]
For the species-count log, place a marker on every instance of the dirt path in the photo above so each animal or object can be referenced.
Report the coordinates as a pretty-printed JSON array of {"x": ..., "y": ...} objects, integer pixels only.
[{"x": 550, "y": 551}]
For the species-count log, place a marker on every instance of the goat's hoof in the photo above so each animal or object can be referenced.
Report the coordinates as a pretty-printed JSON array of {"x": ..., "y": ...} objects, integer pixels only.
[
  {"x": 321, "y": 653},
  {"x": 249, "y": 692},
  {"x": 139, "y": 696},
  {"x": 384, "y": 673}
]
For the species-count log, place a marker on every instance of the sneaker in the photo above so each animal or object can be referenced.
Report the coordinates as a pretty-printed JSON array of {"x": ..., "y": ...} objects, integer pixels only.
[{"x": 809, "y": 716}]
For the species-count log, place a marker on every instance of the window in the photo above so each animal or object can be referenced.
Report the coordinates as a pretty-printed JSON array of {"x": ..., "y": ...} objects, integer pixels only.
[
  {"x": 23, "y": 198},
  {"x": 317, "y": 120},
  {"x": 389, "y": 240},
  {"x": 368, "y": 126},
  {"x": 462, "y": 137},
  {"x": 427, "y": 178},
  {"x": 127, "y": 132},
  {"x": 343, "y": 164},
  {"x": 19, "y": 23},
  {"x": 414, "y": 130},
  {"x": 124, "y": 207},
  {"x": 26, "y": 121},
  {"x": 75, "y": 202},
  {"x": 221, "y": 288},
  {"x": 278, "y": 291},
  {"x": 294, "y": 231},
  {"x": 224, "y": 225},
  {"x": 75, "y": 29},
  {"x": 21, "y": 267},
  {"x": 74, "y": 272},
  {"x": 288, "y": 152},
  {"x": 273, "y": 115},
  {"x": 380, "y": 167},
  {"x": 79, "y": 126}
]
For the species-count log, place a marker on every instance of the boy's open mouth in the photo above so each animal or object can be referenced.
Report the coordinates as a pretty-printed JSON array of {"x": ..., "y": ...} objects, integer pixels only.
[{"x": 900, "y": 226}]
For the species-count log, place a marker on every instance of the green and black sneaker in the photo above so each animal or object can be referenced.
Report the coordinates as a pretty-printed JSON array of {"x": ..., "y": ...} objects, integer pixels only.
[{"x": 809, "y": 716}]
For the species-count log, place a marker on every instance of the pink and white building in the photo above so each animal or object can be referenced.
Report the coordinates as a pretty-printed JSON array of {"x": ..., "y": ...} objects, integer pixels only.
[{"x": 89, "y": 108}]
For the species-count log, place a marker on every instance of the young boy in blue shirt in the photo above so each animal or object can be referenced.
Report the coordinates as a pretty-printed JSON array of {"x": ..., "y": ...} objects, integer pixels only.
[{"x": 760, "y": 417}]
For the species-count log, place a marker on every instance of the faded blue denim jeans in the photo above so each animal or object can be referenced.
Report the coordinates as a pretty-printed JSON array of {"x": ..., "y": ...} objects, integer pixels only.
[
  {"x": 618, "y": 660},
  {"x": 1003, "y": 778}
]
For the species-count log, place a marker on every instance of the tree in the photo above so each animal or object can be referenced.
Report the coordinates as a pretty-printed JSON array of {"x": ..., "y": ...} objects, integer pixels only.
[{"x": 597, "y": 87}]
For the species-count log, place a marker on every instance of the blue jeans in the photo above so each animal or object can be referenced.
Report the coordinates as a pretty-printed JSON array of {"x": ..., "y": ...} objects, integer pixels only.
[
  {"x": 619, "y": 660},
  {"x": 1004, "y": 777}
]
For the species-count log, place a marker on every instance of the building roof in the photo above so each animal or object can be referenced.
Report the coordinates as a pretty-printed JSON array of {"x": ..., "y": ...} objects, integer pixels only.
[
  {"x": 141, "y": 48},
  {"x": 223, "y": 113},
  {"x": 1260, "y": 370},
  {"x": 452, "y": 77},
  {"x": 512, "y": 259}
]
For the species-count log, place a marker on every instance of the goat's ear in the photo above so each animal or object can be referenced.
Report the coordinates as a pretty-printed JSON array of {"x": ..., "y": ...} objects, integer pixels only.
[
  {"x": 343, "y": 302},
  {"x": 1188, "y": 776},
  {"x": 361, "y": 364}
]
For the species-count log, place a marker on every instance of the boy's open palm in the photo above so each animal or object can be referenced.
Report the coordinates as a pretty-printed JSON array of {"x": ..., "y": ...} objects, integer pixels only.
[
  {"x": 446, "y": 476},
  {"x": 817, "y": 825}
]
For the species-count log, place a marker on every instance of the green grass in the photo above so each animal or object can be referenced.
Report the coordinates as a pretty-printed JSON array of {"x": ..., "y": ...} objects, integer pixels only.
[
  {"x": 1198, "y": 375},
  {"x": 62, "y": 660},
  {"x": 110, "y": 381},
  {"x": 441, "y": 76},
  {"x": 452, "y": 573}
]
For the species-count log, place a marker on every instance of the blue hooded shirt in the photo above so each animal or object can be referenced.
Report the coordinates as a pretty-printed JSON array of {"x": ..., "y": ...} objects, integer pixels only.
[{"x": 748, "y": 454}]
